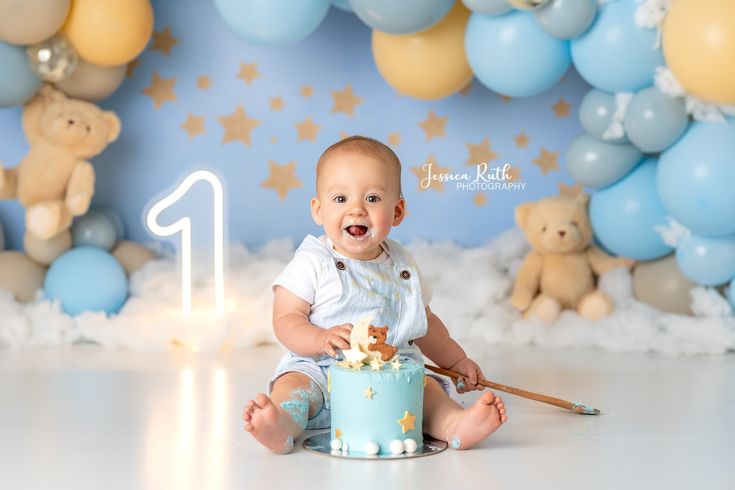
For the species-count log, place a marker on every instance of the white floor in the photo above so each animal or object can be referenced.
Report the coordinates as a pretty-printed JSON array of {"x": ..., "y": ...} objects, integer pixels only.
[{"x": 91, "y": 418}]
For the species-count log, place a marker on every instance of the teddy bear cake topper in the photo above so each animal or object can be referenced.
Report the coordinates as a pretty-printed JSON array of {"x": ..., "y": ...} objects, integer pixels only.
[{"x": 368, "y": 342}]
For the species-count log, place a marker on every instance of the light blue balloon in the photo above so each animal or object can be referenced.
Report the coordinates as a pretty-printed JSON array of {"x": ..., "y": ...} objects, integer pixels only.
[
  {"x": 488, "y": 7},
  {"x": 596, "y": 115},
  {"x": 115, "y": 218},
  {"x": 624, "y": 215},
  {"x": 709, "y": 261},
  {"x": 696, "y": 176},
  {"x": 273, "y": 22},
  {"x": 403, "y": 16},
  {"x": 615, "y": 55},
  {"x": 95, "y": 229},
  {"x": 87, "y": 279},
  {"x": 342, "y": 5},
  {"x": 594, "y": 163},
  {"x": 654, "y": 121},
  {"x": 18, "y": 83},
  {"x": 512, "y": 55},
  {"x": 567, "y": 19}
]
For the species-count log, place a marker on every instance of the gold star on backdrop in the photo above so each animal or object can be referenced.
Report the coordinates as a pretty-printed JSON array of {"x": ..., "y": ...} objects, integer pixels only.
[
  {"x": 421, "y": 173},
  {"x": 343, "y": 135},
  {"x": 306, "y": 91},
  {"x": 307, "y": 130},
  {"x": 480, "y": 153},
  {"x": 193, "y": 125},
  {"x": 407, "y": 422},
  {"x": 570, "y": 190},
  {"x": 203, "y": 82},
  {"x": 433, "y": 126},
  {"x": 248, "y": 72},
  {"x": 505, "y": 98},
  {"x": 547, "y": 161},
  {"x": 238, "y": 126},
  {"x": 368, "y": 393},
  {"x": 394, "y": 139},
  {"x": 282, "y": 178},
  {"x": 514, "y": 174},
  {"x": 130, "y": 70},
  {"x": 161, "y": 90},
  {"x": 274, "y": 140},
  {"x": 479, "y": 199},
  {"x": 561, "y": 108},
  {"x": 163, "y": 41},
  {"x": 276, "y": 103},
  {"x": 345, "y": 101},
  {"x": 521, "y": 140}
]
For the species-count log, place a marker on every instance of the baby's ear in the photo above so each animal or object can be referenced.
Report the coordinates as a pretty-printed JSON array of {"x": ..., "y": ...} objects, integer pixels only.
[
  {"x": 399, "y": 212},
  {"x": 316, "y": 211}
]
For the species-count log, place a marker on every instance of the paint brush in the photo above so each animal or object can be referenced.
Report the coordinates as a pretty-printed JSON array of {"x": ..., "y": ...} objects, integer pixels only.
[{"x": 576, "y": 407}]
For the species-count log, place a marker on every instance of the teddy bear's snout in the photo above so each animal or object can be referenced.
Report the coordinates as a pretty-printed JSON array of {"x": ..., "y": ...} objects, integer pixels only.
[{"x": 562, "y": 233}]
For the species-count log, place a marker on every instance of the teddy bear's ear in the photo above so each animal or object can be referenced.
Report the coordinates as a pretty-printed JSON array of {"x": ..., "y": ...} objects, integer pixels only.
[
  {"x": 114, "y": 123},
  {"x": 582, "y": 198},
  {"x": 522, "y": 213}
]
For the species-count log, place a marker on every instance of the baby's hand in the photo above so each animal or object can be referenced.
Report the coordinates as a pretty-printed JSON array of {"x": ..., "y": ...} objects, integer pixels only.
[
  {"x": 472, "y": 374},
  {"x": 337, "y": 337}
]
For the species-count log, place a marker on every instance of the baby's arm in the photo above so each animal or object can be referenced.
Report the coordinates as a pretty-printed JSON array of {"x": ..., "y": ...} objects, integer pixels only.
[{"x": 293, "y": 330}]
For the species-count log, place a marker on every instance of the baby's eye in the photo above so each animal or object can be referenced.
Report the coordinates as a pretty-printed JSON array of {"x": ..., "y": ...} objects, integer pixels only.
[
  {"x": 340, "y": 199},
  {"x": 373, "y": 198}
]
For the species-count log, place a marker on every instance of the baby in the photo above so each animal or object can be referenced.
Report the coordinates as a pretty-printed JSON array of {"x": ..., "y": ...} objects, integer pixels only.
[{"x": 353, "y": 272}]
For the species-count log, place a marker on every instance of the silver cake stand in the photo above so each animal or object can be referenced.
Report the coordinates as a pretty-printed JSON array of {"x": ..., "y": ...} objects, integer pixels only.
[{"x": 319, "y": 444}]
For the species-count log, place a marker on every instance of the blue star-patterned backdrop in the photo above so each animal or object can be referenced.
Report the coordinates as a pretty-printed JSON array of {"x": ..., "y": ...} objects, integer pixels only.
[{"x": 200, "y": 97}]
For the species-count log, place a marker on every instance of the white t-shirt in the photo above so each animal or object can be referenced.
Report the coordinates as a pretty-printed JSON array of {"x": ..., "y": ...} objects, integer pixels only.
[{"x": 319, "y": 285}]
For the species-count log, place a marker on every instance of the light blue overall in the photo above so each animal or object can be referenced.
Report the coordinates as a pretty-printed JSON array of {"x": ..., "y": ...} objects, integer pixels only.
[{"x": 389, "y": 293}]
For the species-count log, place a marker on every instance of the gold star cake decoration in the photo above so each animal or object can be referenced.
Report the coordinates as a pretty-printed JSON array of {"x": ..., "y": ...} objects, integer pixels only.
[
  {"x": 193, "y": 125},
  {"x": 368, "y": 393},
  {"x": 345, "y": 101},
  {"x": 282, "y": 179},
  {"x": 561, "y": 108},
  {"x": 433, "y": 126},
  {"x": 422, "y": 172},
  {"x": 480, "y": 153},
  {"x": 338, "y": 433},
  {"x": 161, "y": 90},
  {"x": 521, "y": 140},
  {"x": 248, "y": 72},
  {"x": 307, "y": 130},
  {"x": 407, "y": 422},
  {"x": 163, "y": 41},
  {"x": 238, "y": 126},
  {"x": 547, "y": 161},
  {"x": 376, "y": 364},
  {"x": 203, "y": 82},
  {"x": 395, "y": 364}
]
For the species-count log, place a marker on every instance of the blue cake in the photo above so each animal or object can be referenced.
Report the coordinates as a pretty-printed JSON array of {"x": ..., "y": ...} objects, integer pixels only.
[{"x": 376, "y": 408}]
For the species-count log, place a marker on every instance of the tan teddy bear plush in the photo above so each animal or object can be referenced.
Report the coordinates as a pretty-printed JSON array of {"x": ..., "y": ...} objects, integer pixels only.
[
  {"x": 55, "y": 181},
  {"x": 559, "y": 271}
]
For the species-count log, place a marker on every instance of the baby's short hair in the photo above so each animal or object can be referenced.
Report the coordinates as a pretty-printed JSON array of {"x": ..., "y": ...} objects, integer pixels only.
[{"x": 365, "y": 146}]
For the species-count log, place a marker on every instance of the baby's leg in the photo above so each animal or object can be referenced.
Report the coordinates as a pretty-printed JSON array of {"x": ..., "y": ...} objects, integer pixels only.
[
  {"x": 446, "y": 420},
  {"x": 277, "y": 421}
]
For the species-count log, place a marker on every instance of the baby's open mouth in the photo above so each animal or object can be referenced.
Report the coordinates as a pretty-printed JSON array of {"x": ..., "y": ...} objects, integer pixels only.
[{"x": 357, "y": 231}]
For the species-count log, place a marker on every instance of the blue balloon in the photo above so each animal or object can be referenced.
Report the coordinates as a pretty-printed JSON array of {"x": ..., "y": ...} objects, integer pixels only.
[
  {"x": 18, "y": 83},
  {"x": 567, "y": 19},
  {"x": 87, "y": 279},
  {"x": 512, "y": 55},
  {"x": 615, "y": 55},
  {"x": 709, "y": 261},
  {"x": 695, "y": 179},
  {"x": 342, "y": 5},
  {"x": 489, "y": 7},
  {"x": 594, "y": 163},
  {"x": 596, "y": 115},
  {"x": 401, "y": 17},
  {"x": 273, "y": 22},
  {"x": 624, "y": 215},
  {"x": 654, "y": 121},
  {"x": 95, "y": 229}
]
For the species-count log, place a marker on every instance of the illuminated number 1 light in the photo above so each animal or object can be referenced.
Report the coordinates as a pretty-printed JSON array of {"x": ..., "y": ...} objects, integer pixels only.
[{"x": 183, "y": 226}]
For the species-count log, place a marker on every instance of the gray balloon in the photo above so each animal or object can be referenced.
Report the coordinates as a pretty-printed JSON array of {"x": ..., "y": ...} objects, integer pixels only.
[
  {"x": 95, "y": 229},
  {"x": 594, "y": 163},
  {"x": 596, "y": 113},
  {"x": 567, "y": 19},
  {"x": 31, "y": 21},
  {"x": 654, "y": 121},
  {"x": 488, "y": 7},
  {"x": 662, "y": 285},
  {"x": 92, "y": 82}
]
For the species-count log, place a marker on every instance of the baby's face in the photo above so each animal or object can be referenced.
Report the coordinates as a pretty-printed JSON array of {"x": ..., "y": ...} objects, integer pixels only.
[{"x": 357, "y": 203}]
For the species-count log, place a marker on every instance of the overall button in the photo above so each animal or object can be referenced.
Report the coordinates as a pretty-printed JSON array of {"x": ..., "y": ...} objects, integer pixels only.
[
  {"x": 410, "y": 342},
  {"x": 341, "y": 265},
  {"x": 405, "y": 275}
]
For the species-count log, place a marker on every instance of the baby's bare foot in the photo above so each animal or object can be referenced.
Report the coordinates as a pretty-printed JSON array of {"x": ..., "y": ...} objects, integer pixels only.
[
  {"x": 477, "y": 422},
  {"x": 269, "y": 426}
]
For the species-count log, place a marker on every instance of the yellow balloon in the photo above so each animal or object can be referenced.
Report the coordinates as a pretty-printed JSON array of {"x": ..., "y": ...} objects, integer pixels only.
[
  {"x": 430, "y": 64},
  {"x": 109, "y": 32},
  {"x": 699, "y": 47}
]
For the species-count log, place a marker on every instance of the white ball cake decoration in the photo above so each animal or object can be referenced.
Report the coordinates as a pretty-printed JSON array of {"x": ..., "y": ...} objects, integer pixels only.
[
  {"x": 410, "y": 445},
  {"x": 336, "y": 444},
  {"x": 396, "y": 446},
  {"x": 371, "y": 448}
]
